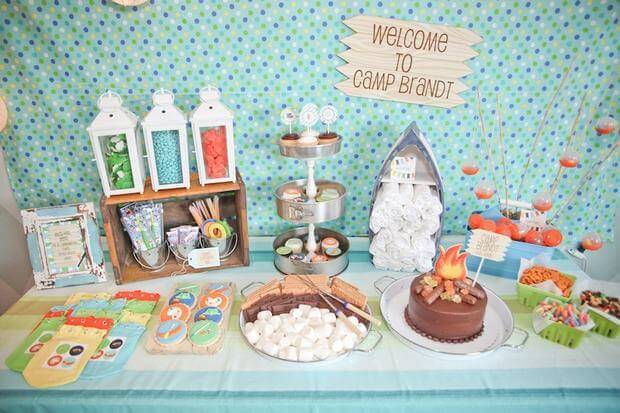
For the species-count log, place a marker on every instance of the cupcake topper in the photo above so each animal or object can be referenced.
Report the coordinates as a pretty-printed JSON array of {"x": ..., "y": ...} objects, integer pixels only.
[
  {"x": 328, "y": 115},
  {"x": 309, "y": 115},
  {"x": 288, "y": 117}
]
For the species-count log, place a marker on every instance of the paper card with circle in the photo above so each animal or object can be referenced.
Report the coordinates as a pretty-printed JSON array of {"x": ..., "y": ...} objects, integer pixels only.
[
  {"x": 204, "y": 257},
  {"x": 175, "y": 311},
  {"x": 43, "y": 333},
  {"x": 209, "y": 313},
  {"x": 62, "y": 359},
  {"x": 328, "y": 115},
  {"x": 114, "y": 352},
  {"x": 288, "y": 117},
  {"x": 214, "y": 299},
  {"x": 309, "y": 115}
]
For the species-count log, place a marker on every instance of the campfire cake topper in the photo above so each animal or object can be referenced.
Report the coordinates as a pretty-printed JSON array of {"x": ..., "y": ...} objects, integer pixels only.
[{"x": 449, "y": 281}]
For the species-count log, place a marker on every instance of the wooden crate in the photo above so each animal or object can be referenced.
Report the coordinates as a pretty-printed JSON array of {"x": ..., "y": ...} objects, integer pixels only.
[{"x": 176, "y": 212}]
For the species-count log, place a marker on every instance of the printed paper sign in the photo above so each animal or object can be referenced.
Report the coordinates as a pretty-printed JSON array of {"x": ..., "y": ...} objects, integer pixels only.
[
  {"x": 488, "y": 245},
  {"x": 406, "y": 61}
]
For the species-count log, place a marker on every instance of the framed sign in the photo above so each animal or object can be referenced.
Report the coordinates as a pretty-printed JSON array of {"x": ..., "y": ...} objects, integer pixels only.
[{"x": 63, "y": 243}]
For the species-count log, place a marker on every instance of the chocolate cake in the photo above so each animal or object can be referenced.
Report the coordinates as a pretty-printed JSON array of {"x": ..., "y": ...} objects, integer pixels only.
[
  {"x": 443, "y": 304},
  {"x": 445, "y": 320}
]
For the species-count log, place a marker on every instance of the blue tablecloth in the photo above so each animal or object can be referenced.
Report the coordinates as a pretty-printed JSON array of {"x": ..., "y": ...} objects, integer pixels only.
[{"x": 542, "y": 376}]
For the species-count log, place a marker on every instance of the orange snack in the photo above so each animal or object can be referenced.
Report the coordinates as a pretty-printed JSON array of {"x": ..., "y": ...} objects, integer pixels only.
[{"x": 538, "y": 274}]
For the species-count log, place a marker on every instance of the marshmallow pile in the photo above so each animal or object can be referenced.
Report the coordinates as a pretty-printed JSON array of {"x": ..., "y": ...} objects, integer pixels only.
[{"x": 304, "y": 334}]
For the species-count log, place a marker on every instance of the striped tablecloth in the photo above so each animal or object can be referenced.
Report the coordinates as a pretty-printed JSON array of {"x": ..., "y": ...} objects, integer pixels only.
[{"x": 543, "y": 375}]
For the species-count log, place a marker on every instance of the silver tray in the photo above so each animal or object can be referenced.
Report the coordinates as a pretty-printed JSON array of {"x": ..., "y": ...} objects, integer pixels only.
[
  {"x": 360, "y": 348},
  {"x": 498, "y": 325},
  {"x": 310, "y": 212},
  {"x": 318, "y": 151},
  {"x": 333, "y": 266}
]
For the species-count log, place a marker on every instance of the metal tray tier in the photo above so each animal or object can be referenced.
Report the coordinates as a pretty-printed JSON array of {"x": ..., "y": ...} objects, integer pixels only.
[
  {"x": 291, "y": 149},
  {"x": 333, "y": 266},
  {"x": 310, "y": 212}
]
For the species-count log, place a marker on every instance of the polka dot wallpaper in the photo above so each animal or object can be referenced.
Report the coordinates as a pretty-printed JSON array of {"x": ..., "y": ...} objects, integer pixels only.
[{"x": 57, "y": 57}]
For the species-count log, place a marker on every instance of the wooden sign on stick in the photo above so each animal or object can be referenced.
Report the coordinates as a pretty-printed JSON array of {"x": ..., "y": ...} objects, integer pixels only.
[{"x": 406, "y": 61}]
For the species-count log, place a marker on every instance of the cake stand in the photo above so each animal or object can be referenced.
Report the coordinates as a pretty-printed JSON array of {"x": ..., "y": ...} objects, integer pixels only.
[
  {"x": 311, "y": 211},
  {"x": 498, "y": 325}
]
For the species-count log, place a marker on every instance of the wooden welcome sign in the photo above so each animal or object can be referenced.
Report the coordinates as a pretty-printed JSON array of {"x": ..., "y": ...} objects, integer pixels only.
[{"x": 406, "y": 61}]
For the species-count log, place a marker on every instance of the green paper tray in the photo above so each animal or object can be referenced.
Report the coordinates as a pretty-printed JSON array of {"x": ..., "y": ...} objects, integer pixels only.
[
  {"x": 562, "y": 334},
  {"x": 531, "y": 296},
  {"x": 604, "y": 326}
]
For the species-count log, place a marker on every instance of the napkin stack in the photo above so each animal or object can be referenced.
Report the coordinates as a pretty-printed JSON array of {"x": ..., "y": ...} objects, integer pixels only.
[{"x": 404, "y": 219}]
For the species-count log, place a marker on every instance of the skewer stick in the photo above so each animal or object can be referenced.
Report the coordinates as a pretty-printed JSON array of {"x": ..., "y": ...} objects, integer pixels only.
[
  {"x": 486, "y": 143},
  {"x": 541, "y": 126},
  {"x": 502, "y": 148},
  {"x": 569, "y": 140},
  {"x": 586, "y": 178},
  {"x": 216, "y": 204}
]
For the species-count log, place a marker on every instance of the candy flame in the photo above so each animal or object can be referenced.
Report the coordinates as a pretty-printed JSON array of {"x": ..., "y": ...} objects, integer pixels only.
[{"x": 451, "y": 265}]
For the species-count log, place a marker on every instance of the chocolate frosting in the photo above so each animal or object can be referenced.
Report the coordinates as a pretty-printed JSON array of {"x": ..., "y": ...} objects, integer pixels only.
[{"x": 444, "y": 320}]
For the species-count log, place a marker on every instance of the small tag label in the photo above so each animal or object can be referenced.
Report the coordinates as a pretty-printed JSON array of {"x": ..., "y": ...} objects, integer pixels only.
[
  {"x": 489, "y": 245},
  {"x": 204, "y": 257}
]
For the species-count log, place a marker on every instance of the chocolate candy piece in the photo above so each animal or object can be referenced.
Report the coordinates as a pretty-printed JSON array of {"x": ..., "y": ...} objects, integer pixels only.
[
  {"x": 327, "y": 136},
  {"x": 290, "y": 137}
]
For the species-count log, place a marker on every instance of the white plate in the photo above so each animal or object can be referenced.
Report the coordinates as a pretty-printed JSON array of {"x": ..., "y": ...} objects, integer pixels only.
[{"x": 498, "y": 325}]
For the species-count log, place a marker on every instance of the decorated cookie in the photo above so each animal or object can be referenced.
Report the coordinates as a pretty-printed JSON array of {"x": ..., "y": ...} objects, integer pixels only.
[
  {"x": 187, "y": 298},
  {"x": 204, "y": 333},
  {"x": 176, "y": 311},
  {"x": 214, "y": 299},
  {"x": 188, "y": 288},
  {"x": 219, "y": 288},
  {"x": 171, "y": 332},
  {"x": 209, "y": 313}
]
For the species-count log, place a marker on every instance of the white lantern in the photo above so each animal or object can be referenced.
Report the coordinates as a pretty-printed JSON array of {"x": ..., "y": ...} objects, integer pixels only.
[
  {"x": 115, "y": 137},
  {"x": 165, "y": 137},
  {"x": 212, "y": 130}
]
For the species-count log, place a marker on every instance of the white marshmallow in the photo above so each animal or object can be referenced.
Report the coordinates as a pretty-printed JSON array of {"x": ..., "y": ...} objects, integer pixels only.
[
  {"x": 306, "y": 354},
  {"x": 336, "y": 345},
  {"x": 324, "y": 330},
  {"x": 264, "y": 315},
  {"x": 277, "y": 337},
  {"x": 286, "y": 341},
  {"x": 362, "y": 328},
  {"x": 303, "y": 342},
  {"x": 340, "y": 329},
  {"x": 270, "y": 348},
  {"x": 296, "y": 313},
  {"x": 300, "y": 324},
  {"x": 329, "y": 317},
  {"x": 305, "y": 309},
  {"x": 261, "y": 343},
  {"x": 322, "y": 353},
  {"x": 309, "y": 333},
  {"x": 315, "y": 322},
  {"x": 275, "y": 321},
  {"x": 314, "y": 313},
  {"x": 253, "y": 335},
  {"x": 348, "y": 342},
  {"x": 287, "y": 327},
  {"x": 268, "y": 330},
  {"x": 285, "y": 317},
  {"x": 321, "y": 342},
  {"x": 324, "y": 311},
  {"x": 248, "y": 326},
  {"x": 288, "y": 353},
  {"x": 259, "y": 325}
]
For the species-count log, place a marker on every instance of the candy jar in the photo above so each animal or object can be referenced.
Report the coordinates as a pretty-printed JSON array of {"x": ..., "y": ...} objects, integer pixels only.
[
  {"x": 484, "y": 190},
  {"x": 552, "y": 237},
  {"x": 212, "y": 130},
  {"x": 470, "y": 167},
  {"x": 569, "y": 159},
  {"x": 606, "y": 125},
  {"x": 542, "y": 201},
  {"x": 114, "y": 136},
  {"x": 591, "y": 242},
  {"x": 165, "y": 137}
]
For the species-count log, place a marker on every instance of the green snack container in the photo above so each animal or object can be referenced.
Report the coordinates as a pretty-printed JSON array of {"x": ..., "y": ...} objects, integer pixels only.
[
  {"x": 562, "y": 334},
  {"x": 604, "y": 326},
  {"x": 531, "y": 296}
]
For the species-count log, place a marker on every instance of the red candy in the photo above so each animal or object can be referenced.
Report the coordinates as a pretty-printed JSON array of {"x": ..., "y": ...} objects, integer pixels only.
[
  {"x": 552, "y": 237},
  {"x": 503, "y": 229},
  {"x": 488, "y": 225},
  {"x": 475, "y": 221},
  {"x": 534, "y": 237},
  {"x": 215, "y": 152}
]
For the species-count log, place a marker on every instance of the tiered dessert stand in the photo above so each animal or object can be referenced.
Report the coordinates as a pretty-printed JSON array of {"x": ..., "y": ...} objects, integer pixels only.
[{"x": 310, "y": 209}]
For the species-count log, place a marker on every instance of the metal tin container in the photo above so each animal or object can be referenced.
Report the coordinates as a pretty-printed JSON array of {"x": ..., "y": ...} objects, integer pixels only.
[
  {"x": 310, "y": 212},
  {"x": 333, "y": 266},
  {"x": 318, "y": 151}
]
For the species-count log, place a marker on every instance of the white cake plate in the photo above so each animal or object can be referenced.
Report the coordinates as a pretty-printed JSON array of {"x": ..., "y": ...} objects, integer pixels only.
[{"x": 498, "y": 325}]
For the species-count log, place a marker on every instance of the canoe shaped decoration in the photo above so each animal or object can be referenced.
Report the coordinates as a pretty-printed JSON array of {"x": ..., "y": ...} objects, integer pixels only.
[{"x": 411, "y": 144}]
